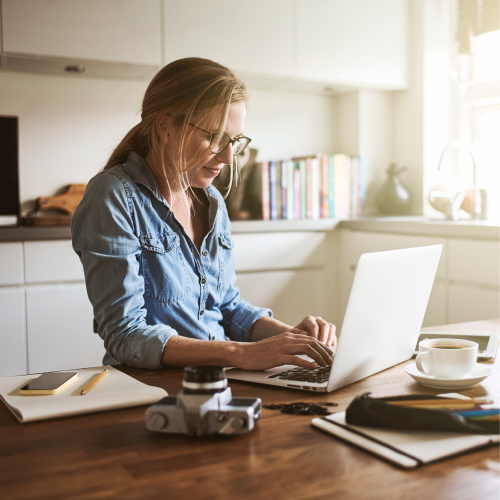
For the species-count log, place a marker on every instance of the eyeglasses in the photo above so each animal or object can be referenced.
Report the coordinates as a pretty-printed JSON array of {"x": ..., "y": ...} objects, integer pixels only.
[{"x": 219, "y": 143}]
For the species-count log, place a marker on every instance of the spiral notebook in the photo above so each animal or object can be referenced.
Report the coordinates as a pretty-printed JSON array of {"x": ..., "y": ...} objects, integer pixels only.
[
  {"x": 408, "y": 449},
  {"x": 116, "y": 390}
]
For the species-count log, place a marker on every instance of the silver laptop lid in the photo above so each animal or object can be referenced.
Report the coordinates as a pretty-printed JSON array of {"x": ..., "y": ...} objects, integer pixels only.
[{"x": 385, "y": 311}]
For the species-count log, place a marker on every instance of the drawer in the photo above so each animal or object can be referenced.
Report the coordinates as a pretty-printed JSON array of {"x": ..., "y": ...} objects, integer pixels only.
[
  {"x": 272, "y": 251},
  {"x": 11, "y": 264},
  {"x": 474, "y": 261},
  {"x": 469, "y": 303},
  {"x": 13, "y": 332},
  {"x": 356, "y": 243},
  {"x": 51, "y": 261},
  {"x": 292, "y": 295},
  {"x": 59, "y": 322}
]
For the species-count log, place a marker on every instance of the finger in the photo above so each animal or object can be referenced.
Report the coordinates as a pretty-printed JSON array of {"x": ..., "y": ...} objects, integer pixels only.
[
  {"x": 301, "y": 338},
  {"x": 312, "y": 325},
  {"x": 295, "y": 360},
  {"x": 332, "y": 338},
  {"x": 324, "y": 330},
  {"x": 297, "y": 331},
  {"x": 313, "y": 351}
]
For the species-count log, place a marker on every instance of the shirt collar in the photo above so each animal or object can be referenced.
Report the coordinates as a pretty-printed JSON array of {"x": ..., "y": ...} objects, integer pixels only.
[{"x": 138, "y": 170}]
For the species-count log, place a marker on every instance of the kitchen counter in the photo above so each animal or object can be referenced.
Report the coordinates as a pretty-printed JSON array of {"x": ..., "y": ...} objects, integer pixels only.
[
  {"x": 30, "y": 233},
  {"x": 468, "y": 229}
]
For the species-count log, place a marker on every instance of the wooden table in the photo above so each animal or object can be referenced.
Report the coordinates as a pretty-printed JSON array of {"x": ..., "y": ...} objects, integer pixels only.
[{"x": 112, "y": 455}]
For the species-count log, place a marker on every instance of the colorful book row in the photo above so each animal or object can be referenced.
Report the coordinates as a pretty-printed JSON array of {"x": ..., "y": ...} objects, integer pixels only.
[{"x": 328, "y": 186}]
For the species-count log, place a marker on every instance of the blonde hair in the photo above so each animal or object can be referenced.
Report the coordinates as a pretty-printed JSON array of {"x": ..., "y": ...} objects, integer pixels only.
[{"x": 183, "y": 88}]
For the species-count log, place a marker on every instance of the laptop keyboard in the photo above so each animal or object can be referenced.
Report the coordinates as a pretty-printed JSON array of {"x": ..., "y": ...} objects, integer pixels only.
[{"x": 318, "y": 375}]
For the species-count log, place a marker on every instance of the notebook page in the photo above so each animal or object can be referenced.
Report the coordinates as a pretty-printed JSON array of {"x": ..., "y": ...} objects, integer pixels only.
[
  {"x": 425, "y": 446},
  {"x": 116, "y": 390}
]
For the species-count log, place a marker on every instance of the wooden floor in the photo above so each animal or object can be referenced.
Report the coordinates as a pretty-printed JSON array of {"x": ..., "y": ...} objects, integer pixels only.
[{"x": 112, "y": 455}]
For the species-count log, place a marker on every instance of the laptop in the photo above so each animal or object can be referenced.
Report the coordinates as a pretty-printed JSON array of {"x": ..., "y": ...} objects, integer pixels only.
[{"x": 386, "y": 307}]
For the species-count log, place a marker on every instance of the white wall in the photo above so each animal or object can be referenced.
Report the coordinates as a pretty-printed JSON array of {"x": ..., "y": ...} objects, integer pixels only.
[
  {"x": 376, "y": 142},
  {"x": 287, "y": 124},
  {"x": 69, "y": 125}
]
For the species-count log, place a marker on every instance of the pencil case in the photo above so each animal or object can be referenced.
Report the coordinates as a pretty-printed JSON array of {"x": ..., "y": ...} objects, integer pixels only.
[{"x": 373, "y": 412}]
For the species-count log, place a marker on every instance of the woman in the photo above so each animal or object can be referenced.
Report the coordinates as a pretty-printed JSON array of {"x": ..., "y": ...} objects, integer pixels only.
[{"x": 155, "y": 241}]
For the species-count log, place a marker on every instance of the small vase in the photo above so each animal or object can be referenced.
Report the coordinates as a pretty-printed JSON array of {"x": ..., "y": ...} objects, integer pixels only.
[{"x": 393, "y": 198}]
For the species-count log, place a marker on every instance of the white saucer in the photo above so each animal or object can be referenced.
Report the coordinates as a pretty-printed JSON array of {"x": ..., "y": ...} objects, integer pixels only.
[{"x": 474, "y": 377}]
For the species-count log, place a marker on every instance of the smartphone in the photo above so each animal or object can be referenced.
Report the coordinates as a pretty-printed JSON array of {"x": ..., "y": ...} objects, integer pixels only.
[{"x": 47, "y": 383}]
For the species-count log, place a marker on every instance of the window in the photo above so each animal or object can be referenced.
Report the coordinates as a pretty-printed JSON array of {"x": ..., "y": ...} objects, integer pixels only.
[{"x": 480, "y": 118}]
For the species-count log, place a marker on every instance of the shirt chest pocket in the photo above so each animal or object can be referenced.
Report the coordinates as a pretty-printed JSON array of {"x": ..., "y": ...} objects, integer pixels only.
[
  {"x": 163, "y": 267},
  {"x": 226, "y": 262}
]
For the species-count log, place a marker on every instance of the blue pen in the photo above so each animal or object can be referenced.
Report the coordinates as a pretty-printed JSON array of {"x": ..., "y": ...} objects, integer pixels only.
[{"x": 478, "y": 413}]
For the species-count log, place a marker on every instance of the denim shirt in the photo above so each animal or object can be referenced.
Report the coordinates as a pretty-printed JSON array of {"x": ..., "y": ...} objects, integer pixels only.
[{"x": 145, "y": 278}]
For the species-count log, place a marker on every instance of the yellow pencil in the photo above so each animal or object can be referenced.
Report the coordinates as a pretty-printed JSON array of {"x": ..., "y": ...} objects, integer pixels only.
[
  {"x": 443, "y": 402},
  {"x": 94, "y": 382}
]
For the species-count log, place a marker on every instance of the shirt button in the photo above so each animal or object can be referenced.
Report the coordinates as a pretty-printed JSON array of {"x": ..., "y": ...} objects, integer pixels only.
[
  {"x": 202, "y": 312},
  {"x": 205, "y": 253},
  {"x": 203, "y": 281}
]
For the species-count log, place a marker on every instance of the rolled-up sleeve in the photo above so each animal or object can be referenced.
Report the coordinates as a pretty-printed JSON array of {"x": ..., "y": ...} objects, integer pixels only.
[
  {"x": 239, "y": 315},
  {"x": 103, "y": 237}
]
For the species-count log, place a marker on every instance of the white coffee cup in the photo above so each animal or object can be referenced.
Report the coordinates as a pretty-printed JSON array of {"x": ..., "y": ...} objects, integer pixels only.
[{"x": 446, "y": 358}]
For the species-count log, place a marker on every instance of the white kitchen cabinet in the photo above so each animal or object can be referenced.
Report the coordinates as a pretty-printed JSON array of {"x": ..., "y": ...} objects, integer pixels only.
[
  {"x": 292, "y": 295},
  {"x": 107, "y": 38},
  {"x": 12, "y": 332},
  {"x": 284, "y": 271},
  {"x": 359, "y": 42},
  {"x": 52, "y": 261},
  {"x": 474, "y": 261},
  {"x": 11, "y": 264},
  {"x": 126, "y": 31},
  {"x": 281, "y": 250},
  {"x": 471, "y": 303},
  {"x": 251, "y": 37},
  {"x": 355, "y": 243},
  {"x": 60, "y": 328}
]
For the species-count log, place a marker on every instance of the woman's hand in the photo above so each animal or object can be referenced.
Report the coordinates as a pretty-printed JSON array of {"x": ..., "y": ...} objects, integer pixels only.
[
  {"x": 282, "y": 350},
  {"x": 319, "y": 329}
]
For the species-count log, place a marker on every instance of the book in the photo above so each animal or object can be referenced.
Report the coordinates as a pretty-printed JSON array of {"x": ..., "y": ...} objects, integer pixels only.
[
  {"x": 408, "y": 449},
  {"x": 303, "y": 189},
  {"x": 315, "y": 189},
  {"x": 266, "y": 201},
  {"x": 346, "y": 209},
  {"x": 116, "y": 390},
  {"x": 296, "y": 188},
  {"x": 331, "y": 187},
  {"x": 339, "y": 181},
  {"x": 284, "y": 192},
  {"x": 273, "y": 189},
  {"x": 290, "y": 190},
  {"x": 309, "y": 188},
  {"x": 325, "y": 184}
]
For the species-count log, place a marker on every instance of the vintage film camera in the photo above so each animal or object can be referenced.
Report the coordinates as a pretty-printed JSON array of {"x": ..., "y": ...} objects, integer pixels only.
[{"x": 205, "y": 406}]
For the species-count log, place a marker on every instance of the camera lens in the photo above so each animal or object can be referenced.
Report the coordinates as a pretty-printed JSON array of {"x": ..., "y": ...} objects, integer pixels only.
[{"x": 204, "y": 379}]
